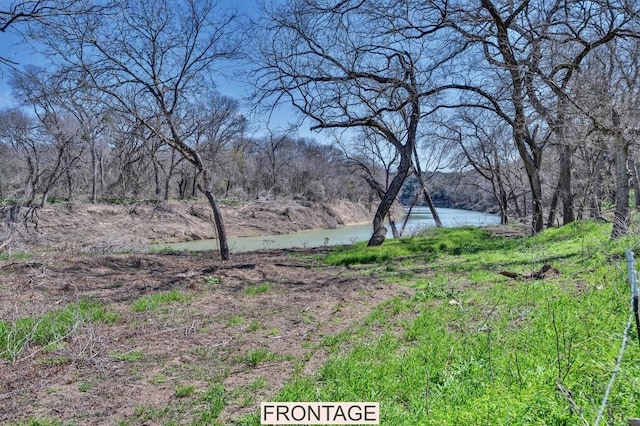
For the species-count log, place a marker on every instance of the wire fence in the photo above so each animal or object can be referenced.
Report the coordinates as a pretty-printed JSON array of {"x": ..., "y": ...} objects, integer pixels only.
[{"x": 631, "y": 270}]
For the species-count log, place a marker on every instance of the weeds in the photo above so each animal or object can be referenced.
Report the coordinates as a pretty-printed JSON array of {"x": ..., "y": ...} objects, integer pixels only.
[
  {"x": 506, "y": 352},
  {"x": 50, "y": 330},
  {"x": 18, "y": 255},
  {"x": 131, "y": 356},
  {"x": 215, "y": 401},
  {"x": 257, "y": 356},
  {"x": 184, "y": 391},
  {"x": 254, "y": 290},
  {"x": 155, "y": 301}
]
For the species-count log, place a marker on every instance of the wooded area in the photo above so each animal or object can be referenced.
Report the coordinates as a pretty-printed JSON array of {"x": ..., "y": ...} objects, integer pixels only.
[{"x": 532, "y": 103}]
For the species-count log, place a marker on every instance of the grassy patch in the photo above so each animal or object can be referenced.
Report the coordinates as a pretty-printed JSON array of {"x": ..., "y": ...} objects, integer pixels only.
[
  {"x": 472, "y": 347},
  {"x": 184, "y": 391},
  {"x": 155, "y": 301},
  {"x": 49, "y": 331},
  {"x": 235, "y": 320},
  {"x": 433, "y": 244},
  {"x": 211, "y": 280},
  {"x": 257, "y": 356},
  {"x": 18, "y": 255},
  {"x": 253, "y": 290},
  {"x": 38, "y": 422},
  {"x": 214, "y": 401},
  {"x": 131, "y": 356}
]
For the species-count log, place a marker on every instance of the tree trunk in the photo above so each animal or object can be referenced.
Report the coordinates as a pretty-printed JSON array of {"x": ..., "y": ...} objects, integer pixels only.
[
  {"x": 217, "y": 215},
  {"x": 621, "y": 220},
  {"x": 537, "y": 224},
  {"x": 502, "y": 199},
  {"x": 379, "y": 230},
  {"x": 394, "y": 228},
  {"x": 554, "y": 205},
  {"x": 69, "y": 176},
  {"x": 167, "y": 179},
  {"x": 194, "y": 186},
  {"x": 564, "y": 184},
  {"x": 156, "y": 174},
  {"x": 425, "y": 191},
  {"x": 94, "y": 177},
  {"x": 636, "y": 183},
  {"x": 535, "y": 183},
  {"x": 595, "y": 205}
]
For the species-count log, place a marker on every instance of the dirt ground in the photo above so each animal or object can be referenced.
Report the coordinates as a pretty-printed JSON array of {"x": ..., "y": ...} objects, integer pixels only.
[
  {"x": 247, "y": 325},
  {"x": 105, "y": 228}
]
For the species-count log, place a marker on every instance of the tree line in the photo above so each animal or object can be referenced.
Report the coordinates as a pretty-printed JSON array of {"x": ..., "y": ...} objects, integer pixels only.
[
  {"x": 547, "y": 86},
  {"x": 532, "y": 102},
  {"x": 55, "y": 158}
]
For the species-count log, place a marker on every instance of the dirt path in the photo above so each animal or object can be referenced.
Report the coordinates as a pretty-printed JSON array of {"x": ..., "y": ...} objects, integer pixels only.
[{"x": 231, "y": 336}]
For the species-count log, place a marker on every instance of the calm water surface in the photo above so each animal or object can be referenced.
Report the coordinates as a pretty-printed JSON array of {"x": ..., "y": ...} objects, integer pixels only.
[{"x": 420, "y": 218}]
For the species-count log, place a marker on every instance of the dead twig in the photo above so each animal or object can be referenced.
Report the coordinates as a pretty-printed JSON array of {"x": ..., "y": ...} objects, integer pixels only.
[{"x": 541, "y": 273}]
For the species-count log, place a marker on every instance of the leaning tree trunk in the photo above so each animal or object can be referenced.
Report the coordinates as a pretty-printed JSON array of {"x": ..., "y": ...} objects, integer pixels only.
[
  {"x": 207, "y": 186},
  {"x": 425, "y": 190},
  {"x": 379, "y": 230},
  {"x": 207, "y": 189}
]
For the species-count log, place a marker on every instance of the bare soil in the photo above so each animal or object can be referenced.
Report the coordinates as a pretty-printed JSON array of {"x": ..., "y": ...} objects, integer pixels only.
[
  {"x": 105, "y": 228},
  {"x": 283, "y": 303}
]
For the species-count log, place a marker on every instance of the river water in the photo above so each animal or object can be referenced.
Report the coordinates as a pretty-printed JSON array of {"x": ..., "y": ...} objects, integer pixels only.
[{"x": 420, "y": 218}]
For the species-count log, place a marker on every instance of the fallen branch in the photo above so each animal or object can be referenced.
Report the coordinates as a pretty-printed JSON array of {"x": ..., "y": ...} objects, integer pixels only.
[{"x": 541, "y": 273}]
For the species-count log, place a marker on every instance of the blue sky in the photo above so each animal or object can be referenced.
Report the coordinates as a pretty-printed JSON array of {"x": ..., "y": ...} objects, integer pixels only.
[{"x": 13, "y": 49}]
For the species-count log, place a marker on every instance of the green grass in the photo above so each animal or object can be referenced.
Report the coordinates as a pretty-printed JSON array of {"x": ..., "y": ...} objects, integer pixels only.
[
  {"x": 18, "y": 255},
  {"x": 433, "y": 244},
  {"x": 38, "y": 422},
  {"x": 253, "y": 290},
  {"x": 214, "y": 401},
  {"x": 212, "y": 280},
  {"x": 155, "y": 301},
  {"x": 131, "y": 356},
  {"x": 49, "y": 330},
  {"x": 185, "y": 391},
  {"x": 257, "y": 356},
  {"x": 471, "y": 346}
]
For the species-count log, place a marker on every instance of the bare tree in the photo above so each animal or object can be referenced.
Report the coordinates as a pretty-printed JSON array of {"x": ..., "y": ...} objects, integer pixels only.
[
  {"x": 26, "y": 16},
  {"x": 607, "y": 98},
  {"x": 356, "y": 64},
  {"x": 486, "y": 146},
  {"x": 153, "y": 61},
  {"x": 224, "y": 125},
  {"x": 531, "y": 51},
  {"x": 376, "y": 161}
]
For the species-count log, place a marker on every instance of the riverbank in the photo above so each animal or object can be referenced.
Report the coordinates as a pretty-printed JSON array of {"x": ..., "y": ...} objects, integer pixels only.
[
  {"x": 106, "y": 228},
  {"x": 462, "y": 327}
]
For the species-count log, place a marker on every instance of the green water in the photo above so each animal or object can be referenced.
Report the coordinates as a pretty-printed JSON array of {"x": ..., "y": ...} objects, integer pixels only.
[{"x": 349, "y": 234}]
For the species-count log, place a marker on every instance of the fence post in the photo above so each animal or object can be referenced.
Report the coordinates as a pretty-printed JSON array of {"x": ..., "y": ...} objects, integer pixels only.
[{"x": 631, "y": 270}]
